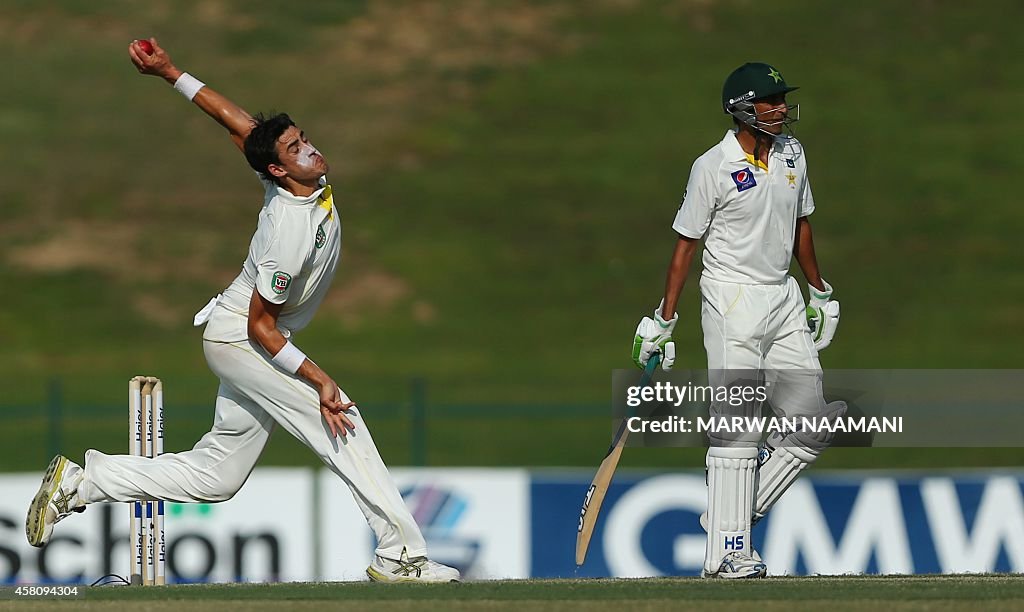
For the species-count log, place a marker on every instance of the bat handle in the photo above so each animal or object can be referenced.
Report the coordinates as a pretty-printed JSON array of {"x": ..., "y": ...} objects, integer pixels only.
[{"x": 650, "y": 368}]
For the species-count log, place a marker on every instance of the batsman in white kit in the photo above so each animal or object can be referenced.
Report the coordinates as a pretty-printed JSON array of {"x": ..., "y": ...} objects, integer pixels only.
[
  {"x": 749, "y": 198},
  {"x": 265, "y": 380}
]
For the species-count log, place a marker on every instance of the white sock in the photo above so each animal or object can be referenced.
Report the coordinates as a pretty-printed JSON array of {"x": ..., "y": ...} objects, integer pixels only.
[{"x": 70, "y": 482}]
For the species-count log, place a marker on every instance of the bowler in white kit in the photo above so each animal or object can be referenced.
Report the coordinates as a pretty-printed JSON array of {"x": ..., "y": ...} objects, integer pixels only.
[
  {"x": 265, "y": 379},
  {"x": 749, "y": 198}
]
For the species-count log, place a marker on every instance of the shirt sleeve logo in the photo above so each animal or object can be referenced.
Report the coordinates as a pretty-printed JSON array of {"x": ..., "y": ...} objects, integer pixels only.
[
  {"x": 744, "y": 179},
  {"x": 321, "y": 237},
  {"x": 281, "y": 282}
]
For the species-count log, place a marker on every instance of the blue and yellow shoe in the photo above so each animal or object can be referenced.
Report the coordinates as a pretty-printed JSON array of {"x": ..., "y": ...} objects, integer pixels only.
[{"x": 739, "y": 565}]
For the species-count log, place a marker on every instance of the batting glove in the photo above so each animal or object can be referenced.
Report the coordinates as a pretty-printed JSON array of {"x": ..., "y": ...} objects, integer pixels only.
[
  {"x": 822, "y": 316},
  {"x": 655, "y": 336}
]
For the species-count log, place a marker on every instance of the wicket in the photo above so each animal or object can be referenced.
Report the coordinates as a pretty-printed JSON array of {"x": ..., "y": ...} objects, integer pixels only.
[{"x": 146, "y": 439}]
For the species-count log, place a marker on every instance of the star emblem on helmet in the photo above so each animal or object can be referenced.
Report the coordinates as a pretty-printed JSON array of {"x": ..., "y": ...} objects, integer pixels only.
[{"x": 775, "y": 75}]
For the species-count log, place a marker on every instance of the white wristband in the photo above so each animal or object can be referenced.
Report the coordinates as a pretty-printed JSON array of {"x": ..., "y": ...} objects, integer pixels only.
[
  {"x": 290, "y": 358},
  {"x": 188, "y": 85}
]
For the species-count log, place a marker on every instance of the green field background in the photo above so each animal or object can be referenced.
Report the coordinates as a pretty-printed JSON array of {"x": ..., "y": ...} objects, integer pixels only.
[{"x": 508, "y": 173}]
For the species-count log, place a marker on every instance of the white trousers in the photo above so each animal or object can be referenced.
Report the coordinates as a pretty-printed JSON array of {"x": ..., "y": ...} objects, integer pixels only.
[
  {"x": 763, "y": 328},
  {"x": 752, "y": 331},
  {"x": 254, "y": 396}
]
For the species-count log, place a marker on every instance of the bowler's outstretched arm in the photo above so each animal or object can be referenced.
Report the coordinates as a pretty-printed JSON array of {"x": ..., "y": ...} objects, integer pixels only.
[{"x": 225, "y": 112}]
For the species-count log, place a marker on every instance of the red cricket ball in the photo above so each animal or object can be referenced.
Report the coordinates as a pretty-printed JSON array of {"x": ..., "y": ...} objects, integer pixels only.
[{"x": 147, "y": 47}]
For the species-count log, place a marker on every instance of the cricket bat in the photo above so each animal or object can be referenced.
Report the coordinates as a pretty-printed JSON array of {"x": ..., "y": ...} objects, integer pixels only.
[{"x": 595, "y": 494}]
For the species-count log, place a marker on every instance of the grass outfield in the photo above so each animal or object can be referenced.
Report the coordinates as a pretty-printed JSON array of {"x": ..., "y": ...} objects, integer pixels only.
[{"x": 974, "y": 592}]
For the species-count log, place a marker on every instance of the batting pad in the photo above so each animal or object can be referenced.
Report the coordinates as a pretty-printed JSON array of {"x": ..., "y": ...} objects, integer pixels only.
[
  {"x": 776, "y": 475},
  {"x": 787, "y": 457},
  {"x": 730, "y": 502}
]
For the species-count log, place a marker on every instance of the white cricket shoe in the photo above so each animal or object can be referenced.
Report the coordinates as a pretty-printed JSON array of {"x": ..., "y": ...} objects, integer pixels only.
[
  {"x": 57, "y": 498},
  {"x": 417, "y": 569},
  {"x": 738, "y": 565}
]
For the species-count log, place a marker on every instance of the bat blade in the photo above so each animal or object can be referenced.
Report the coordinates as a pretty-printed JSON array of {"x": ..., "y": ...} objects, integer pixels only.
[
  {"x": 603, "y": 479},
  {"x": 592, "y": 502}
]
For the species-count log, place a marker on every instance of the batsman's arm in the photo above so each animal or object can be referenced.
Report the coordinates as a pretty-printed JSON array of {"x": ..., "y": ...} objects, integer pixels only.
[
  {"x": 803, "y": 250},
  {"x": 225, "y": 112},
  {"x": 678, "y": 270}
]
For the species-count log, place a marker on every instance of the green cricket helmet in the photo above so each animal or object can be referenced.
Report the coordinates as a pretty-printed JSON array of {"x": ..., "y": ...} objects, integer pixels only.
[{"x": 753, "y": 81}]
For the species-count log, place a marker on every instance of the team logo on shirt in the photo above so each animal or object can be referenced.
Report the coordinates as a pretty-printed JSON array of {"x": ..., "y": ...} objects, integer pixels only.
[
  {"x": 281, "y": 282},
  {"x": 744, "y": 179},
  {"x": 791, "y": 163},
  {"x": 321, "y": 237}
]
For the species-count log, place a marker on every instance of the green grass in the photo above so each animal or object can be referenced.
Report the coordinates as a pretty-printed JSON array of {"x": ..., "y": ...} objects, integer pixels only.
[
  {"x": 507, "y": 194},
  {"x": 843, "y": 593}
]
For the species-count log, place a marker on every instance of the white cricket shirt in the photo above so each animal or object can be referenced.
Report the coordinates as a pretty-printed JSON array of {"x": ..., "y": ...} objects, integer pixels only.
[
  {"x": 292, "y": 259},
  {"x": 745, "y": 212}
]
